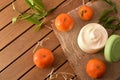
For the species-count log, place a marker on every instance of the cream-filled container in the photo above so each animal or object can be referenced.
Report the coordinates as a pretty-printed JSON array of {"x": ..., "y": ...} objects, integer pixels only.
[{"x": 92, "y": 37}]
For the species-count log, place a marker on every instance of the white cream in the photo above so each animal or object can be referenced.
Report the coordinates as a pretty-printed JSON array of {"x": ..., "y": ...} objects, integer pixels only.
[{"x": 92, "y": 38}]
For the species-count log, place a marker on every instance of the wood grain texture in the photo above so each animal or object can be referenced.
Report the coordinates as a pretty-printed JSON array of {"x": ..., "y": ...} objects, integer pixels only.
[
  {"x": 14, "y": 30},
  {"x": 24, "y": 63},
  {"x": 4, "y": 3},
  {"x": 18, "y": 40},
  {"x": 17, "y": 48},
  {"x": 8, "y": 12}
]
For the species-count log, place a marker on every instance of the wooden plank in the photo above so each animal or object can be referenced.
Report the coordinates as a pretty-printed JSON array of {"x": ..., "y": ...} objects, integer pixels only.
[
  {"x": 13, "y": 49},
  {"x": 68, "y": 6},
  {"x": 8, "y": 12},
  {"x": 61, "y": 9},
  {"x": 4, "y": 3},
  {"x": 20, "y": 45},
  {"x": 20, "y": 66},
  {"x": 5, "y": 54},
  {"x": 13, "y": 30},
  {"x": 42, "y": 73}
]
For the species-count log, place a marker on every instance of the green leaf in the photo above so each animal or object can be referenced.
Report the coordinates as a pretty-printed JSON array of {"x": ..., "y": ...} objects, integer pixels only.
[
  {"x": 39, "y": 26},
  {"x": 25, "y": 16},
  {"x": 110, "y": 20},
  {"x": 44, "y": 14},
  {"x": 14, "y": 19},
  {"x": 36, "y": 5},
  {"x": 31, "y": 18},
  {"x": 39, "y": 3},
  {"x": 115, "y": 8},
  {"x": 39, "y": 9},
  {"x": 104, "y": 14},
  {"x": 112, "y": 4},
  {"x": 108, "y": 1},
  {"x": 30, "y": 3}
]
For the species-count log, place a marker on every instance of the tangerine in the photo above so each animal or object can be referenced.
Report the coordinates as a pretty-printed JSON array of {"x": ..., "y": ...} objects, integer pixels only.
[
  {"x": 95, "y": 68},
  {"x": 43, "y": 58},
  {"x": 85, "y": 12},
  {"x": 64, "y": 22}
]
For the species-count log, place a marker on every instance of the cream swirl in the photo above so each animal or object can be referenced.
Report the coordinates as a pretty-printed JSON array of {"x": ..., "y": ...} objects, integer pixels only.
[{"x": 92, "y": 38}]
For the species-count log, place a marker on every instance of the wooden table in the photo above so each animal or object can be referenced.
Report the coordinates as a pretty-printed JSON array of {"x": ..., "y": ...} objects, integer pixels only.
[{"x": 17, "y": 42}]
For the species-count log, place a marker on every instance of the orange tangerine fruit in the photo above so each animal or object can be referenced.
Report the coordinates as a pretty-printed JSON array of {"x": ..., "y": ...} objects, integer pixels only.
[
  {"x": 43, "y": 58},
  {"x": 64, "y": 22},
  {"x": 95, "y": 68},
  {"x": 85, "y": 12}
]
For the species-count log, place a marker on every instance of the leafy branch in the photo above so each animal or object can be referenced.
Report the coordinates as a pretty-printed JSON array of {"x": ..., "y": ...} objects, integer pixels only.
[
  {"x": 37, "y": 17},
  {"x": 113, "y": 5},
  {"x": 107, "y": 19}
]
